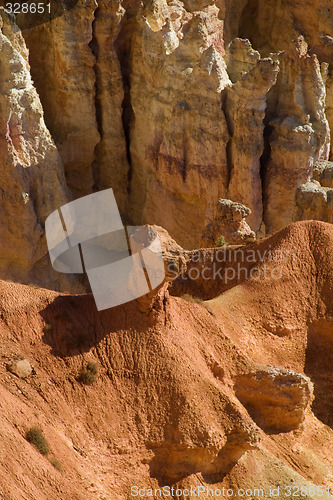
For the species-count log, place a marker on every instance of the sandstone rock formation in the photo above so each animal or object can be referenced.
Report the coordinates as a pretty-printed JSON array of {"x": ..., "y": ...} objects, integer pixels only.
[
  {"x": 207, "y": 118},
  {"x": 32, "y": 176},
  {"x": 184, "y": 397},
  {"x": 245, "y": 103},
  {"x": 314, "y": 200},
  {"x": 177, "y": 104},
  {"x": 62, "y": 68},
  {"x": 277, "y": 399},
  {"x": 21, "y": 368},
  {"x": 299, "y": 133},
  {"x": 230, "y": 223},
  {"x": 329, "y": 100},
  {"x": 323, "y": 173},
  {"x": 174, "y": 256},
  {"x": 180, "y": 154}
]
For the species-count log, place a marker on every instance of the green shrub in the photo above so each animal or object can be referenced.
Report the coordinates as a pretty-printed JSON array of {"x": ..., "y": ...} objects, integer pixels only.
[
  {"x": 196, "y": 300},
  {"x": 220, "y": 242},
  {"x": 89, "y": 374},
  {"x": 190, "y": 298},
  {"x": 56, "y": 464},
  {"x": 92, "y": 367},
  {"x": 35, "y": 436}
]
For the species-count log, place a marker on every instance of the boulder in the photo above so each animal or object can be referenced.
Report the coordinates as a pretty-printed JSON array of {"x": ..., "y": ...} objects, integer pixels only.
[
  {"x": 276, "y": 398},
  {"x": 21, "y": 368}
]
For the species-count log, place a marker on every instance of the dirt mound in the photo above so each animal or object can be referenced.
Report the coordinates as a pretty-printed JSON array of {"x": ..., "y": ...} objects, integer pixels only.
[{"x": 172, "y": 401}]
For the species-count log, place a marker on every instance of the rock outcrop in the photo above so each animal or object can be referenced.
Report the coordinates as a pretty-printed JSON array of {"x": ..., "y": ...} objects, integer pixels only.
[
  {"x": 62, "y": 68},
  {"x": 20, "y": 367},
  {"x": 230, "y": 223},
  {"x": 329, "y": 103},
  {"x": 245, "y": 105},
  {"x": 276, "y": 398},
  {"x": 184, "y": 396},
  {"x": 32, "y": 176},
  {"x": 313, "y": 201},
  {"x": 298, "y": 134},
  {"x": 315, "y": 198},
  {"x": 323, "y": 173},
  {"x": 178, "y": 158},
  {"x": 175, "y": 105}
]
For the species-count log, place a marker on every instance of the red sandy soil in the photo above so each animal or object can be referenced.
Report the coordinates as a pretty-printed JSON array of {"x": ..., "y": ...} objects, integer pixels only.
[{"x": 164, "y": 408}]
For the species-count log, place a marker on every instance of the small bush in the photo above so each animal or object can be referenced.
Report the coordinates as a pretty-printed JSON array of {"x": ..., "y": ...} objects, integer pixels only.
[
  {"x": 36, "y": 438},
  {"x": 89, "y": 374},
  {"x": 92, "y": 367},
  {"x": 196, "y": 300},
  {"x": 47, "y": 327},
  {"x": 56, "y": 464},
  {"x": 220, "y": 242},
  {"x": 190, "y": 298}
]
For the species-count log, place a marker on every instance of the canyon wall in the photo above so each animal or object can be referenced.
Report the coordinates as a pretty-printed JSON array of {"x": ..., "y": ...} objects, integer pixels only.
[
  {"x": 32, "y": 177},
  {"x": 175, "y": 105}
]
